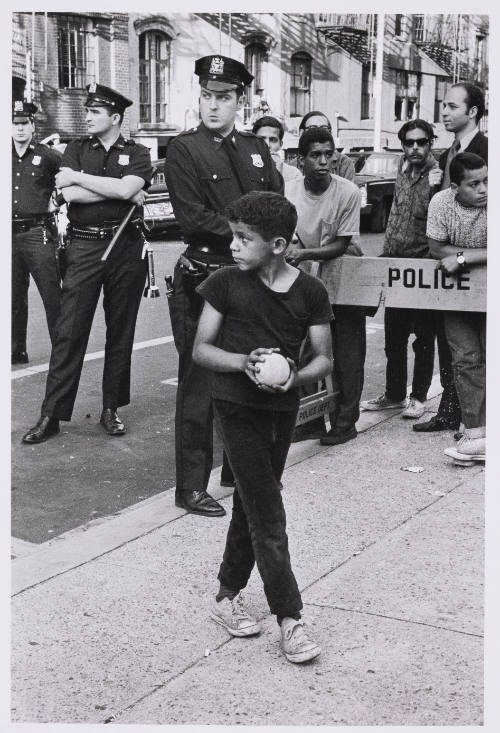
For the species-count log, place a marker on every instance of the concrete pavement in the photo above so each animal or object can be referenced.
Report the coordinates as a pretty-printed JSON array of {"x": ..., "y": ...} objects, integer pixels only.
[{"x": 110, "y": 622}]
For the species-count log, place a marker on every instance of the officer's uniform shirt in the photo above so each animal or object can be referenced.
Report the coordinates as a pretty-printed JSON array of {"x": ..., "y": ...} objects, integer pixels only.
[
  {"x": 33, "y": 177},
  {"x": 124, "y": 158},
  {"x": 201, "y": 181}
]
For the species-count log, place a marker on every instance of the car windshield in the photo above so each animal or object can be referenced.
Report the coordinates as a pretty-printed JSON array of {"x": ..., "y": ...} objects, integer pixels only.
[{"x": 376, "y": 165}]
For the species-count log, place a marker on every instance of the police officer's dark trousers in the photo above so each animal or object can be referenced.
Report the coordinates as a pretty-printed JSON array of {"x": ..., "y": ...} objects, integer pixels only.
[
  {"x": 122, "y": 277},
  {"x": 193, "y": 412},
  {"x": 33, "y": 253}
]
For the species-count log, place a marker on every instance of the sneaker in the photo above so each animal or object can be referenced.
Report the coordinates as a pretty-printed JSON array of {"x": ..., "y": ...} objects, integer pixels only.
[
  {"x": 414, "y": 410},
  {"x": 472, "y": 449},
  {"x": 296, "y": 645},
  {"x": 234, "y": 617},
  {"x": 381, "y": 403}
]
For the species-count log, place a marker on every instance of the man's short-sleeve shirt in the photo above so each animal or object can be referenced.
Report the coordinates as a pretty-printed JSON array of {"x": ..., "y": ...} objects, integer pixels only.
[
  {"x": 33, "y": 176},
  {"x": 124, "y": 158},
  {"x": 449, "y": 221},
  {"x": 322, "y": 218},
  {"x": 257, "y": 317},
  {"x": 405, "y": 234}
]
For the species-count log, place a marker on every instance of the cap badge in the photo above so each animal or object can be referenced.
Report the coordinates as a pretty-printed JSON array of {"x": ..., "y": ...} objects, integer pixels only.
[
  {"x": 123, "y": 159},
  {"x": 19, "y": 105},
  {"x": 217, "y": 65},
  {"x": 257, "y": 160},
  {"x": 92, "y": 88}
]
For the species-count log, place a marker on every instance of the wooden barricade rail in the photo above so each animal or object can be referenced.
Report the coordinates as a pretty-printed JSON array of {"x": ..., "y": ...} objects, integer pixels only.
[{"x": 396, "y": 283}]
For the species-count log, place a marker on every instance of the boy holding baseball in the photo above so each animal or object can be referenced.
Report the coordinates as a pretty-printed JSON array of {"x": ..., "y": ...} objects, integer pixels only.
[{"x": 261, "y": 306}]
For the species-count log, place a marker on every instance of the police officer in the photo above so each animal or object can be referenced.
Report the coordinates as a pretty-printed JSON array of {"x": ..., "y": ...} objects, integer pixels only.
[
  {"x": 206, "y": 168},
  {"x": 101, "y": 176},
  {"x": 34, "y": 232}
]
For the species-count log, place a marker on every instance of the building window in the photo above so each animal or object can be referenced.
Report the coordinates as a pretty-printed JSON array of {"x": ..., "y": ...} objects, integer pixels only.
[
  {"x": 300, "y": 85},
  {"x": 255, "y": 57},
  {"x": 441, "y": 85},
  {"x": 154, "y": 76},
  {"x": 406, "y": 106},
  {"x": 365, "y": 92},
  {"x": 398, "y": 25},
  {"x": 76, "y": 69},
  {"x": 418, "y": 28}
]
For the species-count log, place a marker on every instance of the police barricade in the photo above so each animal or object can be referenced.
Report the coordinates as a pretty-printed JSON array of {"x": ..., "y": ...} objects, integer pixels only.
[{"x": 396, "y": 283}]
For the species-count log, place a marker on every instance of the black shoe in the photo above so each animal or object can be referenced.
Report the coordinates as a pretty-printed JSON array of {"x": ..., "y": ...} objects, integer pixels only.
[
  {"x": 199, "y": 502},
  {"x": 45, "y": 428},
  {"x": 435, "y": 424},
  {"x": 336, "y": 437},
  {"x": 311, "y": 430},
  {"x": 228, "y": 483},
  {"x": 112, "y": 423},
  {"x": 19, "y": 357}
]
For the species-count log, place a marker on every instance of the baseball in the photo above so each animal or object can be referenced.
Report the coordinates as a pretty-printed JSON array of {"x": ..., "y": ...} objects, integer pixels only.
[{"x": 273, "y": 371}]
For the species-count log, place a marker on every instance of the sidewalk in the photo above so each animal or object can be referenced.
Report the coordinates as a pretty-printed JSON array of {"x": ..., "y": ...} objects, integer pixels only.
[{"x": 110, "y": 622}]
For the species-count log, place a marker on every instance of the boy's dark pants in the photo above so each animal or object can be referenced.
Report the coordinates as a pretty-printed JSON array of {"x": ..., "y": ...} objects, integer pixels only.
[{"x": 257, "y": 443}]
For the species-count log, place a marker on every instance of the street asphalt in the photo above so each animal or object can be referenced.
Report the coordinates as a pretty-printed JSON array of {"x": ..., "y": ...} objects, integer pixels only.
[{"x": 110, "y": 620}]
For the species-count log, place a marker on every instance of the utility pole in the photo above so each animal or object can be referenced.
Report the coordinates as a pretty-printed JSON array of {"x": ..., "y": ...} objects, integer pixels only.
[{"x": 377, "y": 87}]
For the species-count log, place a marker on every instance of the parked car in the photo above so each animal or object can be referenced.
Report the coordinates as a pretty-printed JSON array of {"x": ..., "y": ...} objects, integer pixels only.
[
  {"x": 158, "y": 213},
  {"x": 376, "y": 180}
]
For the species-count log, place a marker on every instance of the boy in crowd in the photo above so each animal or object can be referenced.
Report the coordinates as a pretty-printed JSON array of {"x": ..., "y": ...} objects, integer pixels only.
[
  {"x": 457, "y": 233},
  {"x": 342, "y": 165},
  {"x": 273, "y": 131},
  {"x": 405, "y": 236},
  {"x": 262, "y": 305},
  {"x": 328, "y": 208}
]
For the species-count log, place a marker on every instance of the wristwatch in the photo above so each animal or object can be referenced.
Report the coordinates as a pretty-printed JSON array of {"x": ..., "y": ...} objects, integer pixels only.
[{"x": 461, "y": 259}]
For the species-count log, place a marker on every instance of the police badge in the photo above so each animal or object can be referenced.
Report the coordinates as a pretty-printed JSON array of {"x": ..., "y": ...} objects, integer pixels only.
[
  {"x": 92, "y": 88},
  {"x": 123, "y": 159},
  {"x": 19, "y": 105},
  {"x": 217, "y": 65},
  {"x": 257, "y": 160},
  {"x": 37, "y": 159}
]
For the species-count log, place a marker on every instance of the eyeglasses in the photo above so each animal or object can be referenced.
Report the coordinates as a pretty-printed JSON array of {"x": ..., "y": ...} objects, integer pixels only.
[{"x": 421, "y": 141}]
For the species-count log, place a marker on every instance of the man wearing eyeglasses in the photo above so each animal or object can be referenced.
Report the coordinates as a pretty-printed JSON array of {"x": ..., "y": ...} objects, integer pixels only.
[{"x": 405, "y": 236}]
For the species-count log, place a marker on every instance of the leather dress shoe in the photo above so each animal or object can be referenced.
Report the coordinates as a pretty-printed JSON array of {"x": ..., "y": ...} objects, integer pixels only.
[
  {"x": 45, "y": 428},
  {"x": 112, "y": 423},
  {"x": 435, "y": 424},
  {"x": 19, "y": 357},
  {"x": 336, "y": 437},
  {"x": 199, "y": 502}
]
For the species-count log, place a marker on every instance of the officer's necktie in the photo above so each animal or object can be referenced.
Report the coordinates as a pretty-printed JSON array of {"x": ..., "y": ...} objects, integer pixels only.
[
  {"x": 451, "y": 154},
  {"x": 240, "y": 169}
]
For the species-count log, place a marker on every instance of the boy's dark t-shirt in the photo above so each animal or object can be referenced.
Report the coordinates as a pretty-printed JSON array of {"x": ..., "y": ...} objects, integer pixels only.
[{"x": 257, "y": 317}]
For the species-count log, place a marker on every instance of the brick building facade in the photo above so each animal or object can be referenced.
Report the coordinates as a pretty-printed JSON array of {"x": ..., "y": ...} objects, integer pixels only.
[{"x": 300, "y": 62}]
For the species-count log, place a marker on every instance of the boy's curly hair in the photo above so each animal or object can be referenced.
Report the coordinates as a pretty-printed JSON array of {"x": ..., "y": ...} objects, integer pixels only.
[
  {"x": 270, "y": 214},
  {"x": 464, "y": 162}
]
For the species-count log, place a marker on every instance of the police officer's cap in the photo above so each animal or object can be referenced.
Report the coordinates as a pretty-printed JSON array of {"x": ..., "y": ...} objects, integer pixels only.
[
  {"x": 221, "y": 74},
  {"x": 20, "y": 107},
  {"x": 100, "y": 96}
]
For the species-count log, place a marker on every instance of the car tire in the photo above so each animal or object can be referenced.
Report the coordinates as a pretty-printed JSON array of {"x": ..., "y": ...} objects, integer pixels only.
[{"x": 378, "y": 219}]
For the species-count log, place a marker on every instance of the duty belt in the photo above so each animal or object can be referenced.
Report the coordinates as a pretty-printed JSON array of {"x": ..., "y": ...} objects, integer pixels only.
[
  {"x": 105, "y": 232},
  {"x": 25, "y": 224},
  {"x": 207, "y": 266}
]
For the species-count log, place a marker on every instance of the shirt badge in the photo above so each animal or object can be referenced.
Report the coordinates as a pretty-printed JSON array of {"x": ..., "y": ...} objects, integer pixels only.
[
  {"x": 36, "y": 160},
  {"x": 257, "y": 160},
  {"x": 123, "y": 159},
  {"x": 217, "y": 65}
]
